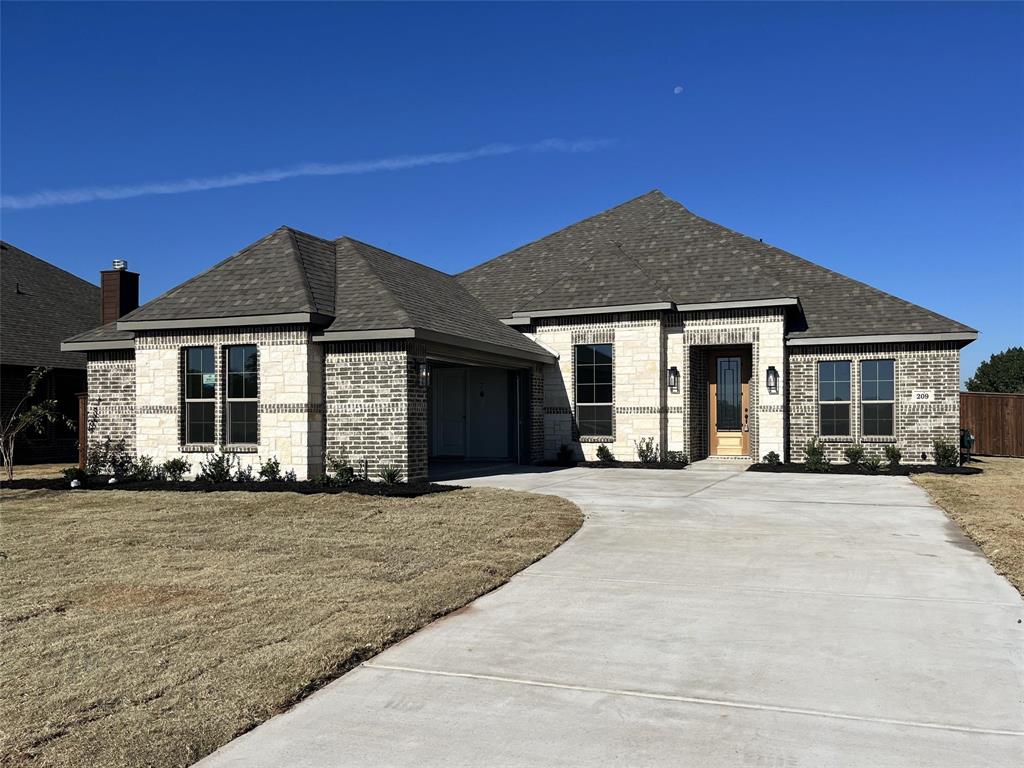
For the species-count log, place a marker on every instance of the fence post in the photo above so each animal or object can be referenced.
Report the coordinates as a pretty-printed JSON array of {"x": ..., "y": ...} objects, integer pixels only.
[{"x": 83, "y": 428}]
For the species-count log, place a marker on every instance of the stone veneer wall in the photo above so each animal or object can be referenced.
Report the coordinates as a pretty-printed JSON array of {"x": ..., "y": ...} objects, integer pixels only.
[
  {"x": 929, "y": 366},
  {"x": 645, "y": 346},
  {"x": 111, "y": 405},
  {"x": 376, "y": 408},
  {"x": 290, "y": 395}
]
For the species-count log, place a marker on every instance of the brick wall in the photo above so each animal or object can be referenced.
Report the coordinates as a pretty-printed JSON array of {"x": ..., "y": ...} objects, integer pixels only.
[
  {"x": 929, "y": 366},
  {"x": 111, "y": 383},
  {"x": 290, "y": 410},
  {"x": 376, "y": 409}
]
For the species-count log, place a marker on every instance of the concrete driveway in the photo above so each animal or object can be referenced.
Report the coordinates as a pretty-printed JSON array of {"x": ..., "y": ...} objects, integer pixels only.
[{"x": 698, "y": 618}]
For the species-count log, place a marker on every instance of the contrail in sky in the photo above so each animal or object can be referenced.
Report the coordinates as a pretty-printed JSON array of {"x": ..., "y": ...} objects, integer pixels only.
[{"x": 51, "y": 197}]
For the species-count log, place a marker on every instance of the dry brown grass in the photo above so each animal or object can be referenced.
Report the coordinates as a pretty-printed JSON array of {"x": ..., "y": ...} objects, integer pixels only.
[
  {"x": 989, "y": 508},
  {"x": 36, "y": 471},
  {"x": 150, "y": 628}
]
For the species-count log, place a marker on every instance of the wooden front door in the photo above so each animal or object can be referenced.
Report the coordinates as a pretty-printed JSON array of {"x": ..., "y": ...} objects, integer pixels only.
[{"x": 729, "y": 396}]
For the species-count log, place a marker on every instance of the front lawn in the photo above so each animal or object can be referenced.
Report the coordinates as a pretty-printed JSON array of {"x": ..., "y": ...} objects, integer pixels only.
[
  {"x": 151, "y": 628},
  {"x": 989, "y": 508}
]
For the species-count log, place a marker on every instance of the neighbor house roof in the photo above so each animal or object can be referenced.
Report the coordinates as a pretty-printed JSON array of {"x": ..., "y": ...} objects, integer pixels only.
[
  {"x": 344, "y": 288},
  {"x": 40, "y": 305},
  {"x": 651, "y": 250}
]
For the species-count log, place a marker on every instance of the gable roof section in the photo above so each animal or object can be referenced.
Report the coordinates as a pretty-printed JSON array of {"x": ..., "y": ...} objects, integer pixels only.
[
  {"x": 279, "y": 278},
  {"x": 691, "y": 261},
  {"x": 40, "y": 304}
]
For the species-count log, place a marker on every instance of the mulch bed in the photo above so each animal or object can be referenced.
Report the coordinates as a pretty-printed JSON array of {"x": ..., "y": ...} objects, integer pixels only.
[
  {"x": 847, "y": 469},
  {"x": 362, "y": 487},
  {"x": 632, "y": 464}
]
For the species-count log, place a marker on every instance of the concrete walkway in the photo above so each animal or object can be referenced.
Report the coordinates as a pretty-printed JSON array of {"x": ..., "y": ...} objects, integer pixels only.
[{"x": 699, "y": 618}]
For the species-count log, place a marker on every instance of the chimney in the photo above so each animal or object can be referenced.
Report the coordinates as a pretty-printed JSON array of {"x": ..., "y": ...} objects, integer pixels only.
[{"x": 119, "y": 291}]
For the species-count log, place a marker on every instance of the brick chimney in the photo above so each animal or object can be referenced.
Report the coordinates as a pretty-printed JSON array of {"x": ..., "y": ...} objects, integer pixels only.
[{"x": 119, "y": 291}]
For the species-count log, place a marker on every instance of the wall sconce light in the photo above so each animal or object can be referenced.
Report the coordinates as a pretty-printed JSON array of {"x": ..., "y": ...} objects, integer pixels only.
[
  {"x": 673, "y": 377},
  {"x": 772, "y": 378},
  {"x": 424, "y": 375}
]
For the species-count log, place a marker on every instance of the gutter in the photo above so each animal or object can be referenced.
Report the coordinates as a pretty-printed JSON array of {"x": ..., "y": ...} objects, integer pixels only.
[{"x": 802, "y": 341}]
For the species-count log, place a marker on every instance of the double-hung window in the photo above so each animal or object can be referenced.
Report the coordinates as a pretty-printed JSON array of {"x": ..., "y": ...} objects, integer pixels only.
[
  {"x": 594, "y": 390},
  {"x": 200, "y": 395},
  {"x": 834, "y": 397},
  {"x": 242, "y": 395},
  {"x": 877, "y": 396}
]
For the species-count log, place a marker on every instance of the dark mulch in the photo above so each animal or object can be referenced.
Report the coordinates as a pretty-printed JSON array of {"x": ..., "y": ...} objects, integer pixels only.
[
  {"x": 632, "y": 464},
  {"x": 846, "y": 469},
  {"x": 363, "y": 487}
]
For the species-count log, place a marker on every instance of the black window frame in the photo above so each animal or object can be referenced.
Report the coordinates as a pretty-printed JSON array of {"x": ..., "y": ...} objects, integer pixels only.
[
  {"x": 594, "y": 389},
  {"x": 831, "y": 403},
  {"x": 241, "y": 391},
  {"x": 871, "y": 395},
  {"x": 199, "y": 396}
]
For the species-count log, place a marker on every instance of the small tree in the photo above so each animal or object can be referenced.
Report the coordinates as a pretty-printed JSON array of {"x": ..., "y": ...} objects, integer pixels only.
[
  {"x": 1003, "y": 372},
  {"x": 28, "y": 415}
]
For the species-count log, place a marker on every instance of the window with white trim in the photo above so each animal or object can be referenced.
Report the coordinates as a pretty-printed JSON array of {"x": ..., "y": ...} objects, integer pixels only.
[
  {"x": 877, "y": 394},
  {"x": 200, "y": 396},
  {"x": 834, "y": 398},
  {"x": 242, "y": 395},
  {"x": 594, "y": 390}
]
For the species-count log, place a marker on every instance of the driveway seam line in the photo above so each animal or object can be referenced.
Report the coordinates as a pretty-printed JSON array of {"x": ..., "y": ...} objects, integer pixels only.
[
  {"x": 700, "y": 700},
  {"x": 779, "y": 590}
]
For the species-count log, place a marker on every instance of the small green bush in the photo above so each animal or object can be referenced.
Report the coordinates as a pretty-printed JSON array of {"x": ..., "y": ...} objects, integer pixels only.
[
  {"x": 390, "y": 474},
  {"x": 677, "y": 457},
  {"x": 946, "y": 454},
  {"x": 339, "y": 471},
  {"x": 175, "y": 469},
  {"x": 111, "y": 457},
  {"x": 854, "y": 454},
  {"x": 566, "y": 456},
  {"x": 290, "y": 476},
  {"x": 872, "y": 465},
  {"x": 605, "y": 455},
  {"x": 270, "y": 470},
  {"x": 244, "y": 475},
  {"x": 74, "y": 473},
  {"x": 893, "y": 455},
  {"x": 814, "y": 456},
  {"x": 646, "y": 451},
  {"x": 772, "y": 459},
  {"x": 219, "y": 469}
]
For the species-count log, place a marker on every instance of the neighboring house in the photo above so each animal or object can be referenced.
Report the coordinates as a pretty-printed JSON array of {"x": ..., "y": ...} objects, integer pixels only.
[
  {"x": 39, "y": 306},
  {"x": 645, "y": 321}
]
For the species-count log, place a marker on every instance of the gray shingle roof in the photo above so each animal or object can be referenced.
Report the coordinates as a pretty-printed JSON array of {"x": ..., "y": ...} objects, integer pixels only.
[
  {"x": 40, "y": 305},
  {"x": 664, "y": 250}
]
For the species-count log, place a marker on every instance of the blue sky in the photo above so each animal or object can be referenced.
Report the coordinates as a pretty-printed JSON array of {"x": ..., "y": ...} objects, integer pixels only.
[{"x": 883, "y": 141}]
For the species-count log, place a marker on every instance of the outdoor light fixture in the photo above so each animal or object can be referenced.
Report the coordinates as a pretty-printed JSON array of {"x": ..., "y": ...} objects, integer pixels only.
[
  {"x": 673, "y": 377},
  {"x": 424, "y": 375},
  {"x": 773, "y": 380}
]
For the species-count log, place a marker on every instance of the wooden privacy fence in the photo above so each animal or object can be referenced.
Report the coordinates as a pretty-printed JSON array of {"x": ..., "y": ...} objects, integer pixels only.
[{"x": 996, "y": 420}]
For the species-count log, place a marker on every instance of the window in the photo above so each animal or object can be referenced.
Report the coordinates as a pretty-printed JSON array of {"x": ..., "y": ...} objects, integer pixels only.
[
  {"x": 877, "y": 395},
  {"x": 594, "y": 390},
  {"x": 242, "y": 383},
  {"x": 834, "y": 397},
  {"x": 200, "y": 395}
]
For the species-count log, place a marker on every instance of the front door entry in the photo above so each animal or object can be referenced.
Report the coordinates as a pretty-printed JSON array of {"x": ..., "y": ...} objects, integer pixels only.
[{"x": 729, "y": 395}]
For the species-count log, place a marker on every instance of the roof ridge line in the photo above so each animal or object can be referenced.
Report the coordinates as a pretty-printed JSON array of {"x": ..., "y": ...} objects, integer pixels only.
[
  {"x": 301, "y": 263},
  {"x": 373, "y": 272},
  {"x": 397, "y": 255},
  {"x": 50, "y": 264}
]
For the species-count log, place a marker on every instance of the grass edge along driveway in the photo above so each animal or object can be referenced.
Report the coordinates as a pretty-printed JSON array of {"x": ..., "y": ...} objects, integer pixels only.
[{"x": 151, "y": 628}]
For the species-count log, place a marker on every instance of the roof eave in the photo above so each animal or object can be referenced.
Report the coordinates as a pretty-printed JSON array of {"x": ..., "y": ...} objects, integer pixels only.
[
  {"x": 887, "y": 338},
  {"x": 422, "y": 334},
  {"x": 96, "y": 346},
  {"x": 286, "y": 318}
]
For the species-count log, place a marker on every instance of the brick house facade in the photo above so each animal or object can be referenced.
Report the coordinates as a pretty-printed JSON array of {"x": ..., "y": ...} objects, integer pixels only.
[{"x": 597, "y": 335}]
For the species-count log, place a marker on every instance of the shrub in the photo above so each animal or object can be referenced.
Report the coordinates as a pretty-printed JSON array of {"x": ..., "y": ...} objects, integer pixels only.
[
  {"x": 270, "y": 470},
  {"x": 605, "y": 455},
  {"x": 389, "y": 474},
  {"x": 872, "y": 465},
  {"x": 175, "y": 469},
  {"x": 343, "y": 473},
  {"x": 677, "y": 457},
  {"x": 145, "y": 469},
  {"x": 219, "y": 469},
  {"x": 814, "y": 456},
  {"x": 566, "y": 456},
  {"x": 946, "y": 454},
  {"x": 854, "y": 454},
  {"x": 110, "y": 458},
  {"x": 645, "y": 450},
  {"x": 74, "y": 473},
  {"x": 290, "y": 476},
  {"x": 244, "y": 475},
  {"x": 893, "y": 455},
  {"x": 772, "y": 459}
]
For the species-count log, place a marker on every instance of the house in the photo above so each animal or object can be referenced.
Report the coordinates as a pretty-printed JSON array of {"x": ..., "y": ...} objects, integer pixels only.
[
  {"x": 42, "y": 304},
  {"x": 644, "y": 321}
]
